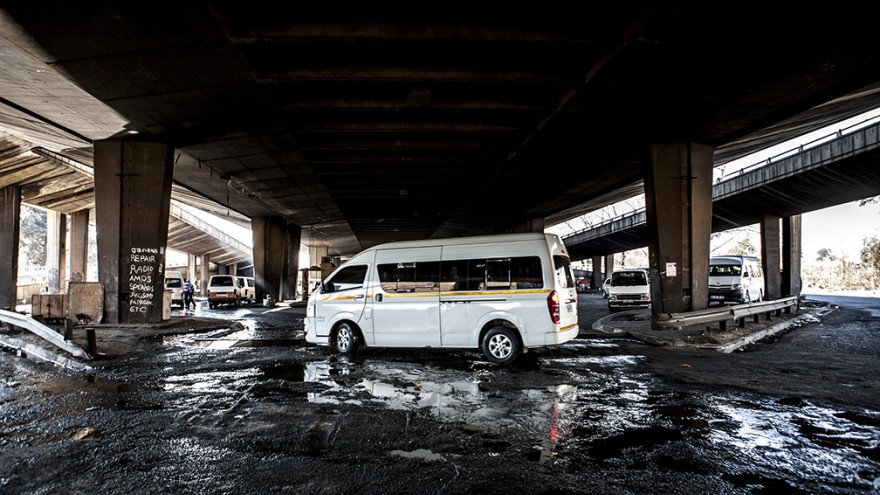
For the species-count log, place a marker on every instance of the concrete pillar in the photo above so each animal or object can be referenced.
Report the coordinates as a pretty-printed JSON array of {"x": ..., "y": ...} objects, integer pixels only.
[
  {"x": 319, "y": 257},
  {"x": 191, "y": 268},
  {"x": 609, "y": 266},
  {"x": 596, "y": 280},
  {"x": 10, "y": 225},
  {"x": 204, "y": 275},
  {"x": 531, "y": 225},
  {"x": 678, "y": 203},
  {"x": 791, "y": 256},
  {"x": 132, "y": 200},
  {"x": 56, "y": 251},
  {"x": 79, "y": 245},
  {"x": 770, "y": 242},
  {"x": 292, "y": 242},
  {"x": 269, "y": 257}
]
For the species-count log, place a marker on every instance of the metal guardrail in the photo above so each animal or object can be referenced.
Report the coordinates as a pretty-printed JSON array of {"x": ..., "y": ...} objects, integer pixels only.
[
  {"x": 723, "y": 314},
  {"x": 43, "y": 331}
]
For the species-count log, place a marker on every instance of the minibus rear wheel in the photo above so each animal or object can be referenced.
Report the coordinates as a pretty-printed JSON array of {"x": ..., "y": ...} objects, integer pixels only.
[
  {"x": 346, "y": 339},
  {"x": 500, "y": 345}
]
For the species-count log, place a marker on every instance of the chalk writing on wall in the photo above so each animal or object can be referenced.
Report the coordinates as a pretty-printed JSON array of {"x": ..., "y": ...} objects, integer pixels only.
[{"x": 141, "y": 277}]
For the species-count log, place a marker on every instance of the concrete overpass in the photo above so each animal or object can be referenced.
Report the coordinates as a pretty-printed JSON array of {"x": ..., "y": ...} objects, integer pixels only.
[
  {"x": 837, "y": 171},
  {"x": 346, "y": 128}
]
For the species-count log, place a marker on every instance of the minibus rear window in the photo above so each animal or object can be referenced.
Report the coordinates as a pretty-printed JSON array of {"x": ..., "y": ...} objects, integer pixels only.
[
  {"x": 492, "y": 274},
  {"x": 562, "y": 264}
]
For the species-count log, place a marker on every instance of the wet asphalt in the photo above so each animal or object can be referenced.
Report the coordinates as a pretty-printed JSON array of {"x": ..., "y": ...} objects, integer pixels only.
[{"x": 255, "y": 409}]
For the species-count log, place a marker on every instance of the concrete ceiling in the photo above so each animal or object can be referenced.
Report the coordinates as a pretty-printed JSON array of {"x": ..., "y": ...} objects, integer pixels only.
[{"x": 364, "y": 126}]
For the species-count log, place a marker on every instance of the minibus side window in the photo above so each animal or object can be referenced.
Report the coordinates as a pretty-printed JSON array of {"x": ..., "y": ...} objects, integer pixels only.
[
  {"x": 350, "y": 277},
  {"x": 526, "y": 272},
  {"x": 563, "y": 271},
  {"x": 421, "y": 276},
  {"x": 498, "y": 274}
]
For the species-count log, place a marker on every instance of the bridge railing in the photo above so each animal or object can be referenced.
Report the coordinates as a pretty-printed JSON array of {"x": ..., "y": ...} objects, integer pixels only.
[
  {"x": 801, "y": 148},
  {"x": 723, "y": 314}
]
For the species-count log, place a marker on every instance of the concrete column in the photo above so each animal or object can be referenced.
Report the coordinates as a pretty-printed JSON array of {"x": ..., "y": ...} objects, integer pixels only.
[
  {"x": 531, "y": 225},
  {"x": 609, "y": 266},
  {"x": 320, "y": 257},
  {"x": 79, "y": 245},
  {"x": 10, "y": 225},
  {"x": 191, "y": 268},
  {"x": 678, "y": 203},
  {"x": 292, "y": 242},
  {"x": 596, "y": 280},
  {"x": 791, "y": 256},
  {"x": 56, "y": 250},
  {"x": 269, "y": 256},
  {"x": 770, "y": 241},
  {"x": 204, "y": 275},
  {"x": 132, "y": 200}
]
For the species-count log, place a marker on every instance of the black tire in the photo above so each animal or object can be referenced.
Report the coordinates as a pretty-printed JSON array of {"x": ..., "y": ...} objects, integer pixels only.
[
  {"x": 500, "y": 345},
  {"x": 346, "y": 339}
]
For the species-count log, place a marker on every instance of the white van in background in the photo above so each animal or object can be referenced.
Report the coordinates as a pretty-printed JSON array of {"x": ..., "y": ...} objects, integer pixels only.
[
  {"x": 738, "y": 279},
  {"x": 502, "y": 294},
  {"x": 223, "y": 289},
  {"x": 247, "y": 288},
  {"x": 629, "y": 289},
  {"x": 174, "y": 282}
]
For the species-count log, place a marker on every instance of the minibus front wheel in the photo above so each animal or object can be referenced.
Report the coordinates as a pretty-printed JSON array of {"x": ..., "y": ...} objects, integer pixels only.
[
  {"x": 346, "y": 339},
  {"x": 500, "y": 345}
]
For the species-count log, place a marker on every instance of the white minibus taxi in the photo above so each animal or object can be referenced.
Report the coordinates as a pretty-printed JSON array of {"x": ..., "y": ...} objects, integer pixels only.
[
  {"x": 502, "y": 294},
  {"x": 738, "y": 279}
]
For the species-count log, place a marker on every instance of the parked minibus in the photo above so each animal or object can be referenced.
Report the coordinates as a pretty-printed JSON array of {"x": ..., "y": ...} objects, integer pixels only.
[
  {"x": 174, "y": 282},
  {"x": 501, "y": 294},
  {"x": 738, "y": 279}
]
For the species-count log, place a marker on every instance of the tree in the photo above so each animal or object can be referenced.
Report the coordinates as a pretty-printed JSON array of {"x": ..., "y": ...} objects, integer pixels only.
[
  {"x": 32, "y": 243},
  {"x": 871, "y": 256}
]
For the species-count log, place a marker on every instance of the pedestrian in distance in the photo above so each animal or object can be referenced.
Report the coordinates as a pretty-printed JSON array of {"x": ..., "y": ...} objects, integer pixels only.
[{"x": 188, "y": 291}]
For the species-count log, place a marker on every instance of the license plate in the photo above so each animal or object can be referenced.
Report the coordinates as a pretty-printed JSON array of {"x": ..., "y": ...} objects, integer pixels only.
[
  {"x": 569, "y": 308},
  {"x": 716, "y": 297}
]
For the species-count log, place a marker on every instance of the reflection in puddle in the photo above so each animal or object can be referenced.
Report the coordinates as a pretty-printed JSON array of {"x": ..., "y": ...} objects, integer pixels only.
[{"x": 600, "y": 407}]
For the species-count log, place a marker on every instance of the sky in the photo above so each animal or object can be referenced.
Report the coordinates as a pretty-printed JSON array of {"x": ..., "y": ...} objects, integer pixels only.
[{"x": 840, "y": 229}]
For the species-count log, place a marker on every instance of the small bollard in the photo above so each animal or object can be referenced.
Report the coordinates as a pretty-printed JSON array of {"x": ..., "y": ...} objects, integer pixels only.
[{"x": 92, "y": 347}]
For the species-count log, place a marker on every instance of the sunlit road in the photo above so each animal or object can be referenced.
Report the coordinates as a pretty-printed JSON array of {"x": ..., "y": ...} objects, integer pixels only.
[{"x": 258, "y": 410}]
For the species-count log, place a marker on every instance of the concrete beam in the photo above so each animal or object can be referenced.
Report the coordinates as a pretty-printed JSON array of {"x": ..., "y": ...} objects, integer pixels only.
[
  {"x": 678, "y": 203},
  {"x": 56, "y": 251},
  {"x": 791, "y": 256},
  {"x": 132, "y": 200},
  {"x": 609, "y": 266},
  {"x": 10, "y": 225},
  {"x": 79, "y": 245},
  {"x": 770, "y": 259},
  {"x": 292, "y": 241},
  {"x": 596, "y": 280},
  {"x": 269, "y": 234}
]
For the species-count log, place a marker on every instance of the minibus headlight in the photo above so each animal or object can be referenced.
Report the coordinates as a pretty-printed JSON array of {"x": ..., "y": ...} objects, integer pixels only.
[{"x": 553, "y": 306}]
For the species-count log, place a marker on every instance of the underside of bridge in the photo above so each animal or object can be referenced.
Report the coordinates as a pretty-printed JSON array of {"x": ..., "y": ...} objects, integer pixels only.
[{"x": 363, "y": 126}]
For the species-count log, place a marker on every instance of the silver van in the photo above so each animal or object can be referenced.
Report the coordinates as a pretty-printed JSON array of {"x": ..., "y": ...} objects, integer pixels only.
[
  {"x": 629, "y": 289},
  {"x": 738, "y": 279}
]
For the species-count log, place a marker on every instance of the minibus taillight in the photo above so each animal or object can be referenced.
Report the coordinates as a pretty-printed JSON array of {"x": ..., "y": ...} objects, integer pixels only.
[{"x": 553, "y": 306}]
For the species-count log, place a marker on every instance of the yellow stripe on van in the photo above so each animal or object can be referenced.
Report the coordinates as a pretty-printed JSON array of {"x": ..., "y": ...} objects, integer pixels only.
[
  {"x": 335, "y": 298},
  {"x": 567, "y": 327},
  {"x": 495, "y": 292}
]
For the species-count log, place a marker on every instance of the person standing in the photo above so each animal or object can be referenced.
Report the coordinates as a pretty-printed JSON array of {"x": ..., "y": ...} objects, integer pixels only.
[{"x": 188, "y": 291}]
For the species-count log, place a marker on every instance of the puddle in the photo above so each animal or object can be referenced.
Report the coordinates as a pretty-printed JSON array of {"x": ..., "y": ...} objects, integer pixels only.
[{"x": 423, "y": 454}]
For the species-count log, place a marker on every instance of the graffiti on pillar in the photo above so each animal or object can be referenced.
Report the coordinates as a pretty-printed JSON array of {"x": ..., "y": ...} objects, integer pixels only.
[{"x": 141, "y": 277}]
